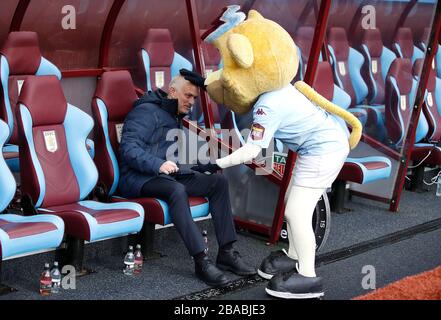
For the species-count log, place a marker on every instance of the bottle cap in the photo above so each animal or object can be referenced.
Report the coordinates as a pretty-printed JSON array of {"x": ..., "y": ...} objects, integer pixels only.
[
  {"x": 46, "y": 265},
  {"x": 138, "y": 246},
  {"x": 56, "y": 264},
  {"x": 130, "y": 248}
]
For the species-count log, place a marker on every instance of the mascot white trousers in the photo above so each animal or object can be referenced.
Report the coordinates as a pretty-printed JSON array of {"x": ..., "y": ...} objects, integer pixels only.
[{"x": 311, "y": 177}]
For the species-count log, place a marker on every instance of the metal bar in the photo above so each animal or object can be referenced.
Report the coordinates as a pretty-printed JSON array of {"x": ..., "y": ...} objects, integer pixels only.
[
  {"x": 252, "y": 226},
  {"x": 193, "y": 22},
  {"x": 338, "y": 196},
  {"x": 106, "y": 35},
  {"x": 369, "y": 196},
  {"x": 19, "y": 14},
  {"x": 408, "y": 144},
  {"x": 319, "y": 34},
  {"x": 381, "y": 147}
]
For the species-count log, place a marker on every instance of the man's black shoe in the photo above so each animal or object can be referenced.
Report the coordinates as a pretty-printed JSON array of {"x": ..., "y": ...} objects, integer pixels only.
[
  {"x": 276, "y": 262},
  {"x": 206, "y": 270},
  {"x": 232, "y": 261},
  {"x": 292, "y": 285}
]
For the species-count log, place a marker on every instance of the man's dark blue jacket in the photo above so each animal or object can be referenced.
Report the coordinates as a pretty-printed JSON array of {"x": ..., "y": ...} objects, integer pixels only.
[{"x": 143, "y": 145}]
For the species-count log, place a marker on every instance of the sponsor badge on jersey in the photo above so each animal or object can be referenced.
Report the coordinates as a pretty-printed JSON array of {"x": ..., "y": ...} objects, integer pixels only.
[
  {"x": 342, "y": 68},
  {"x": 257, "y": 132},
  {"x": 119, "y": 129},
  {"x": 159, "y": 79},
  {"x": 50, "y": 140},
  {"x": 279, "y": 162},
  {"x": 403, "y": 103}
]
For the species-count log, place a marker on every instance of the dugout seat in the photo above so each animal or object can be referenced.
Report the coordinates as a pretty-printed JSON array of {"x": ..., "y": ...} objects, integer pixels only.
[
  {"x": 57, "y": 173},
  {"x": 160, "y": 60},
  {"x": 23, "y": 234},
  {"x": 404, "y": 47},
  {"x": 347, "y": 63},
  {"x": 113, "y": 100},
  {"x": 427, "y": 151},
  {"x": 20, "y": 57},
  {"x": 360, "y": 170}
]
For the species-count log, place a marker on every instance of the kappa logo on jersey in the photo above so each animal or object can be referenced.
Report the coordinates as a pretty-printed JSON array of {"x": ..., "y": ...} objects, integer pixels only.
[
  {"x": 257, "y": 131},
  {"x": 260, "y": 112}
]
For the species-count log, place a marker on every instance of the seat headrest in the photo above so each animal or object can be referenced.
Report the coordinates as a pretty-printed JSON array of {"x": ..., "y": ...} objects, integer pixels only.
[
  {"x": 22, "y": 51},
  {"x": 211, "y": 54},
  {"x": 431, "y": 81},
  {"x": 372, "y": 39},
  {"x": 324, "y": 80},
  {"x": 117, "y": 91},
  {"x": 339, "y": 41},
  {"x": 159, "y": 45},
  {"x": 303, "y": 39},
  {"x": 401, "y": 70},
  {"x": 404, "y": 38},
  {"x": 45, "y": 100}
]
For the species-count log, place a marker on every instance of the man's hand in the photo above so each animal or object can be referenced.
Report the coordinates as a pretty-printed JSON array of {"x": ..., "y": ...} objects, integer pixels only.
[
  {"x": 193, "y": 77},
  {"x": 204, "y": 168},
  {"x": 168, "y": 167}
]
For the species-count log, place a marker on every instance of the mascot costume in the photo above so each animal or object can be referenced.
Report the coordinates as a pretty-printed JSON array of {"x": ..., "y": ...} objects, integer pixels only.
[{"x": 260, "y": 61}]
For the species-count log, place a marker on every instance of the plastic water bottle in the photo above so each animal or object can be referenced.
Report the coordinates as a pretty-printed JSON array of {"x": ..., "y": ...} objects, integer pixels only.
[
  {"x": 56, "y": 278},
  {"x": 139, "y": 259},
  {"x": 129, "y": 262},
  {"x": 438, "y": 186},
  {"x": 46, "y": 281},
  {"x": 205, "y": 236}
]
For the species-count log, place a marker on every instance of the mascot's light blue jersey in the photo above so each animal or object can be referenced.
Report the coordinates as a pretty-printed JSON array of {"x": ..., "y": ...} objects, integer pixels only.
[{"x": 289, "y": 116}]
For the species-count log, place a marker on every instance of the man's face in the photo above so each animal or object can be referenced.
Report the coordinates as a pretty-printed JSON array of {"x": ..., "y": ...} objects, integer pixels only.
[{"x": 186, "y": 95}]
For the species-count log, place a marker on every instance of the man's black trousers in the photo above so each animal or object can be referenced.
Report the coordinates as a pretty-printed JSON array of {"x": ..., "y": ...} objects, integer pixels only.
[{"x": 175, "y": 193}]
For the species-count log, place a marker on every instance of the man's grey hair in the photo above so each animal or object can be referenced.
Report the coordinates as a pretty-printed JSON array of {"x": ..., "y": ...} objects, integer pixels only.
[{"x": 177, "y": 82}]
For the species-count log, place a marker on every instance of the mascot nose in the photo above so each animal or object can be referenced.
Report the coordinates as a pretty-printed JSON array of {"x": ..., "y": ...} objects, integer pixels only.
[
  {"x": 215, "y": 87},
  {"x": 213, "y": 77}
]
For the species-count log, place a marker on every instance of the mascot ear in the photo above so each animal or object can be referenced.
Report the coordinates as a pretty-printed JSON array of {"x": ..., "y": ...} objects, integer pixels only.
[
  {"x": 241, "y": 50},
  {"x": 253, "y": 14}
]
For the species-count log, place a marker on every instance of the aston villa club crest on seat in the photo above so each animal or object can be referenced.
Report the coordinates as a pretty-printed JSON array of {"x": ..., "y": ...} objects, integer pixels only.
[
  {"x": 50, "y": 140},
  {"x": 257, "y": 131},
  {"x": 119, "y": 129},
  {"x": 20, "y": 85},
  {"x": 260, "y": 112},
  {"x": 159, "y": 79},
  {"x": 279, "y": 162}
]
